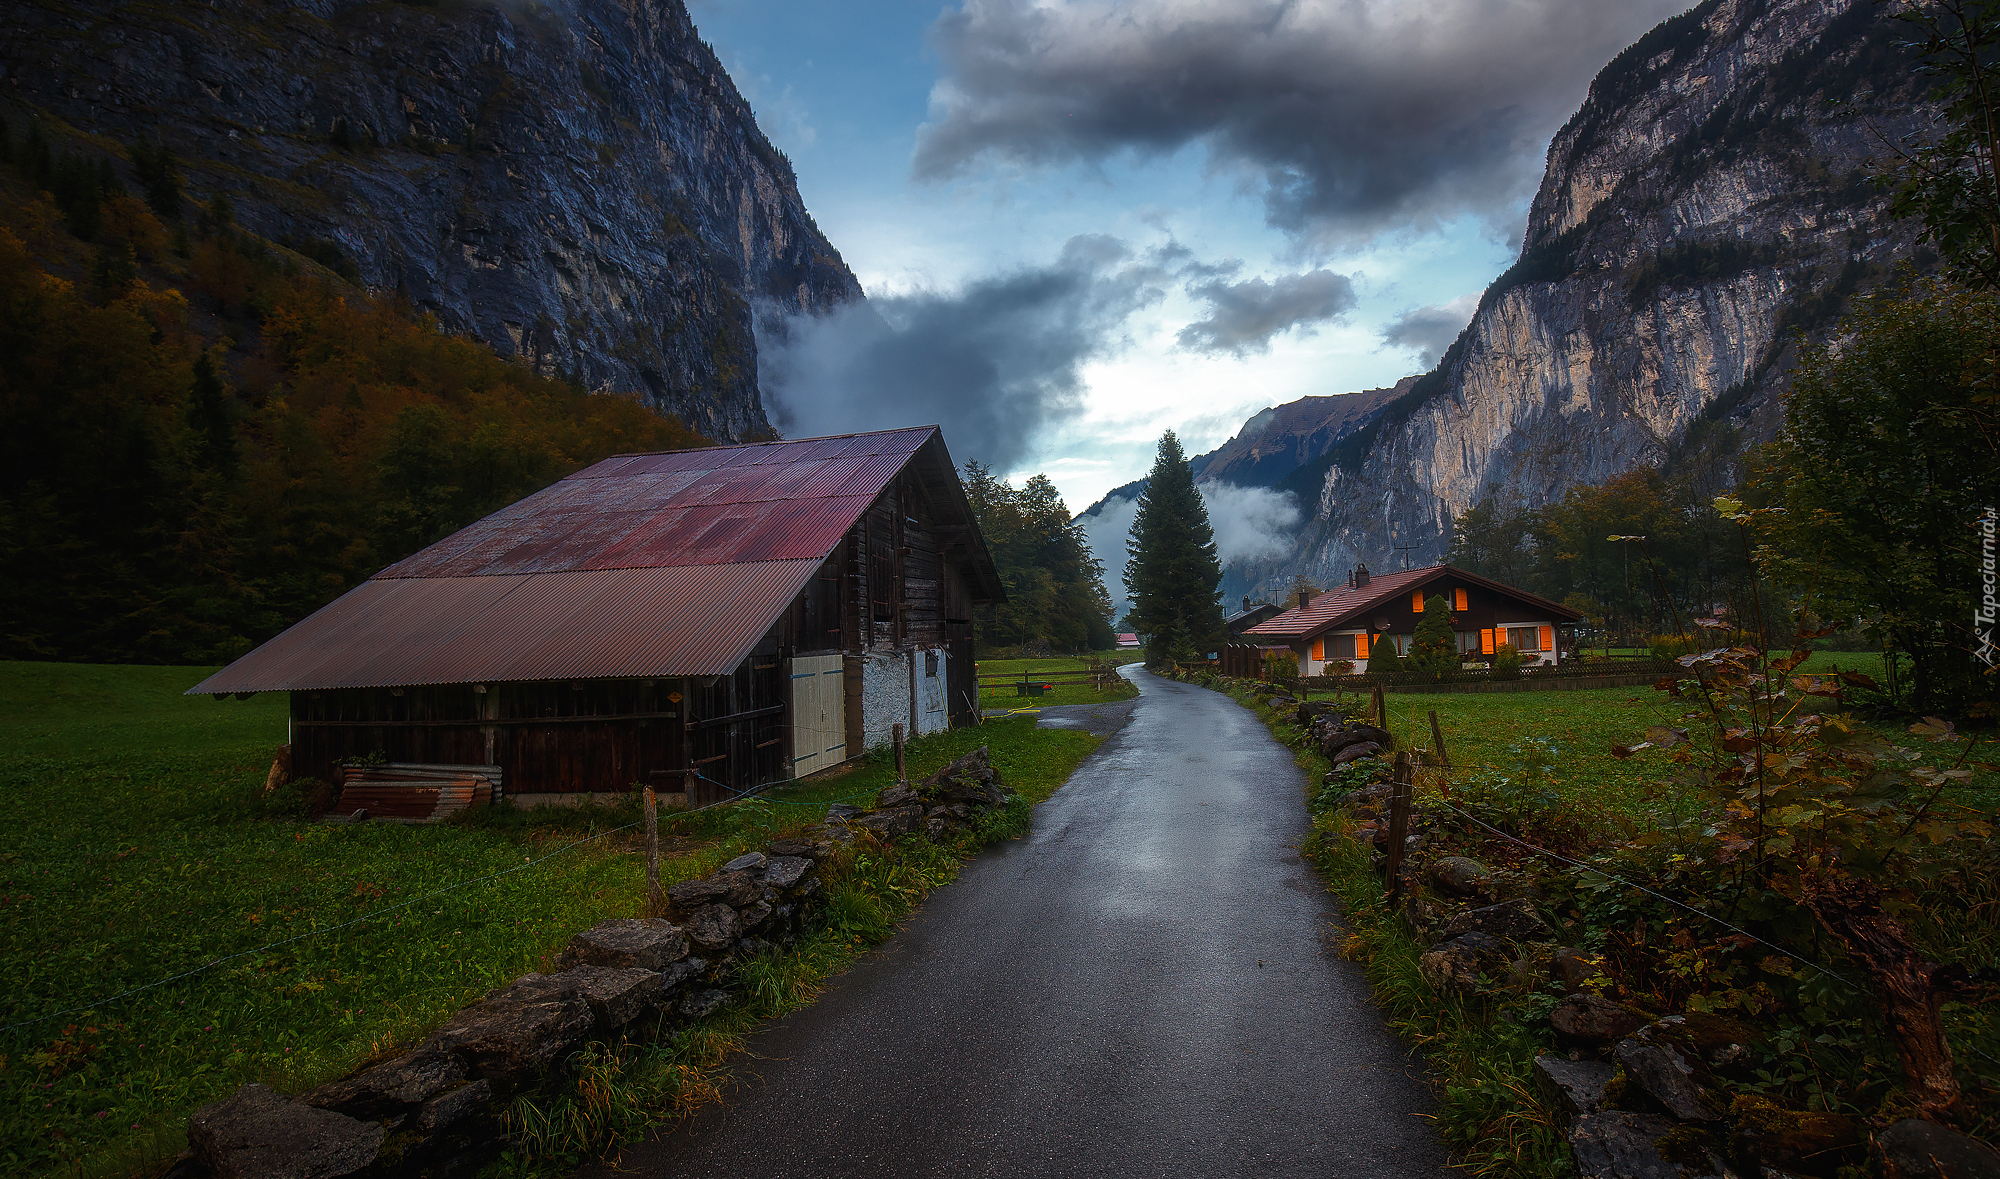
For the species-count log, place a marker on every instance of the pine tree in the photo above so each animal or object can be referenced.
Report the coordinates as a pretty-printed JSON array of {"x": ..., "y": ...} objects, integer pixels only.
[
  {"x": 1173, "y": 572},
  {"x": 1434, "y": 648},
  {"x": 210, "y": 420}
]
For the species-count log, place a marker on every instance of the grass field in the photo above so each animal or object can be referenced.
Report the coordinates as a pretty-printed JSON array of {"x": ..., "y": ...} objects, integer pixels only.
[
  {"x": 1005, "y": 695},
  {"x": 137, "y": 848}
]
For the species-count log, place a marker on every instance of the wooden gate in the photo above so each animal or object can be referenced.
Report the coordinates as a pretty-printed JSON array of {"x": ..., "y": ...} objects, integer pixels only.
[{"x": 819, "y": 714}]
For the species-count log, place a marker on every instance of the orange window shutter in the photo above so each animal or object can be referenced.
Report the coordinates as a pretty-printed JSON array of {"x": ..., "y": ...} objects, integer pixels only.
[
  {"x": 1548, "y": 638},
  {"x": 1458, "y": 597},
  {"x": 1319, "y": 648},
  {"x": 1416, "y": 603},
  {"x": 1486, "y": 642}
]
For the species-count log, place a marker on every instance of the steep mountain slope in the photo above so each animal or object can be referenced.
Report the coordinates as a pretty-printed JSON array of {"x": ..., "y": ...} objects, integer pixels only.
[
  {"x": 577, "y": 183},
  {"x": 1274, "y": 444},
  {"x": 1705, "y": 205}
]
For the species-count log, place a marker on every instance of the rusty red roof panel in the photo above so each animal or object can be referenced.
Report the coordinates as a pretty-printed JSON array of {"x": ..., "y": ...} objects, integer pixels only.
[
  {"x": 582, "y": 624},
  {"x": 728, "y": 504},
  {"x": 640, "y": 565}
]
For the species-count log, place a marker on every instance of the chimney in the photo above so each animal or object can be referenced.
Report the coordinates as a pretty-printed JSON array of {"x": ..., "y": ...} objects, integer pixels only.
[
  {"x": 1246, "y": 603},
  {"x": 1360, "y": 575},
  {"x": 1305, "y": 599}
]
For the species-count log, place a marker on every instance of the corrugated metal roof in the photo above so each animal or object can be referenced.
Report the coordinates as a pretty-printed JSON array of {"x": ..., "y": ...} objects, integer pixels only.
[
  {"x": 573, "y": 624},
  {"x": 768, "y": 501},
  {"x": 640, "y": 565},
  {"x": 1342, "y": 606}
]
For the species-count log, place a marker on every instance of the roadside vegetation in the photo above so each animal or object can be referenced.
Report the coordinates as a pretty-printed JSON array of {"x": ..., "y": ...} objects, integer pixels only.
[
  {"x": 1571, "y": 774},
  {"x": 139, "y": 846}
]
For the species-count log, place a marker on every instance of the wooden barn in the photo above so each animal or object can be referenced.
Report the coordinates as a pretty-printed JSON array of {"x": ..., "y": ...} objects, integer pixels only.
[
  {"x": 1348, "y": 624},
  {"x": 724, "y": 618}
]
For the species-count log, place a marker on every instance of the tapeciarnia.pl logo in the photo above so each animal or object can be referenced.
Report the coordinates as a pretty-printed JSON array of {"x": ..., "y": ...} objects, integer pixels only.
[{"x": 1984, "y": 614}]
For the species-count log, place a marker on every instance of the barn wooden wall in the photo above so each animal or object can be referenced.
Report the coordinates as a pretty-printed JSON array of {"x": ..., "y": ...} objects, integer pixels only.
[{"x": 889, "y": 585}]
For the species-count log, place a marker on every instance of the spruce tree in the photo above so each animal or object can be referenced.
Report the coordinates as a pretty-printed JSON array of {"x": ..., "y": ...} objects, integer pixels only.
[
  {"x": 1173, "y": 572},
  {"x": 1434, "y": 648}
]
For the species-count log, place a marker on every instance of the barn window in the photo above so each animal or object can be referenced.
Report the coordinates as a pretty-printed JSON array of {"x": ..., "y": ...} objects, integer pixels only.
[
  {"x": 930, "y": 664},
  {"x": 1417, "y": 602},
  {"x": 882, "y": 586}
]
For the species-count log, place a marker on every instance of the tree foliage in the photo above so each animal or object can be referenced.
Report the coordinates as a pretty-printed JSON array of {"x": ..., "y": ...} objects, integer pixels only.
[
  {"x": 1172, "y": 571},
  {"x": 182, "y": 475},
  {"x": 1948, "y": 176},
  {"x": 1056, "y": 600},
  {"x": 1886, "y": 462},
  {"x": 1562, "y": 552}
]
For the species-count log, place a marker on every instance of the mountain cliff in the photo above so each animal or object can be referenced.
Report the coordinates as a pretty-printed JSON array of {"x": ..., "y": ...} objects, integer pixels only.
[
  {"x": 577, "y": 183},
  {"x": 1706, "y": 205}
]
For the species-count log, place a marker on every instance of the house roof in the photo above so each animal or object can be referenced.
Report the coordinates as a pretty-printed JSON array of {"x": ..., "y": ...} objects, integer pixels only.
[
  {"x": 640, "y": 565},
  {"x": 1341, "y": 607},
  {"x": 1244, "y": 619}
]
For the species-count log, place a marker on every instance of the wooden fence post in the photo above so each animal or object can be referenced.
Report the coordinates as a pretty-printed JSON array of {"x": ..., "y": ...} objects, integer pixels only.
[
  {"x": 1437, "y": 741},
  {"x": 1381, "y": 709},
  {"x": 656, "y": 901},
  {"x": 1399, "y": 824},
  {"x": 896, "y": 736}
]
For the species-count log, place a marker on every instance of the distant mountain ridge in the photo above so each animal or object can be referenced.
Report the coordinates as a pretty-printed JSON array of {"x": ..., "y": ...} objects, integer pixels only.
[
  {"x": 577, "y": 183},
  {"x": 1275, "y": 444}
]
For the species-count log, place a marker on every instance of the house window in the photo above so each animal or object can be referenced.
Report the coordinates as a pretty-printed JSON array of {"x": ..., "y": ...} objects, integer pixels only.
[
  {"x": 1458, "y": 599},
  {"x": 1548, "y": 638},
  {"x": 1319, "y": 649},
  {"x": 1486, "y": 642},
  {"x": 1417, "y": 602},
  {"x": 1525, "y": 638}
]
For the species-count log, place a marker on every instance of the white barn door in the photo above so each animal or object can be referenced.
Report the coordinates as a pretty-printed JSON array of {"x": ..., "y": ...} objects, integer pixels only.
[{"x": 819, "y": 714}]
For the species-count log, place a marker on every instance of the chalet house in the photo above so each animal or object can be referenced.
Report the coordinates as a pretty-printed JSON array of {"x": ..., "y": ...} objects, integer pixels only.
[
  {"x": 724, "y": 618},
  {"x": 1348, "y": 624},
  {"x": 1251, "y": 615}
]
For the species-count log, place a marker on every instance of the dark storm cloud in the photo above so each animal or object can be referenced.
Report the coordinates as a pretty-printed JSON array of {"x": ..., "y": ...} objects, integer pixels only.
[
  {"x": 1429, "y": 330},
  {"x": 994, "y": 363},
  {"x": 1245, "y": 315},
  {"x": 1351, "y": 116}
]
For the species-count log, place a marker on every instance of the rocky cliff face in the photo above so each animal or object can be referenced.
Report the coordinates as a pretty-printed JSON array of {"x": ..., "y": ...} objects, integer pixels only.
[
  {"x": 576, "y": 182},
  {"x": 1705, "y": 205}
]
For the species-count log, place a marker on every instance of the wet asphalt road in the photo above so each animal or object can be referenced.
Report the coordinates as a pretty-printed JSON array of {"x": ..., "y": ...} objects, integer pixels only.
[{"x": 1145, "y": 985}]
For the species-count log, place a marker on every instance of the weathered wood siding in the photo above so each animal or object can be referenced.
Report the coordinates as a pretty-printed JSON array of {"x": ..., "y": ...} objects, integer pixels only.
[{"x": 890, "y": 585}]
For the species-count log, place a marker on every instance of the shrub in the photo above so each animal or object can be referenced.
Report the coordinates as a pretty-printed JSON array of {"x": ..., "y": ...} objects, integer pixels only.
[
  {"x": 1667, "y": 648},
  {"x": 1507, "y": 662},
  {"x": 1281, "y": 665}
]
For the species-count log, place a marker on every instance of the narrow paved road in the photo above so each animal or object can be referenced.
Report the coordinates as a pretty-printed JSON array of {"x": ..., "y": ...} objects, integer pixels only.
[{"x": 1143, "y": 986}]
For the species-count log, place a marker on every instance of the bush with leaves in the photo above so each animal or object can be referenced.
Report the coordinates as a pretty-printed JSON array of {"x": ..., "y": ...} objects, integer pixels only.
[{"x": 1814, "y": 813}]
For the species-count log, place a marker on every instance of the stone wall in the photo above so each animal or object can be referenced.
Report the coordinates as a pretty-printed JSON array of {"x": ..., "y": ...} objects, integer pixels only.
[
  {"x": 886, "y": 681},
  {"x": 437, "y": 1106}
]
